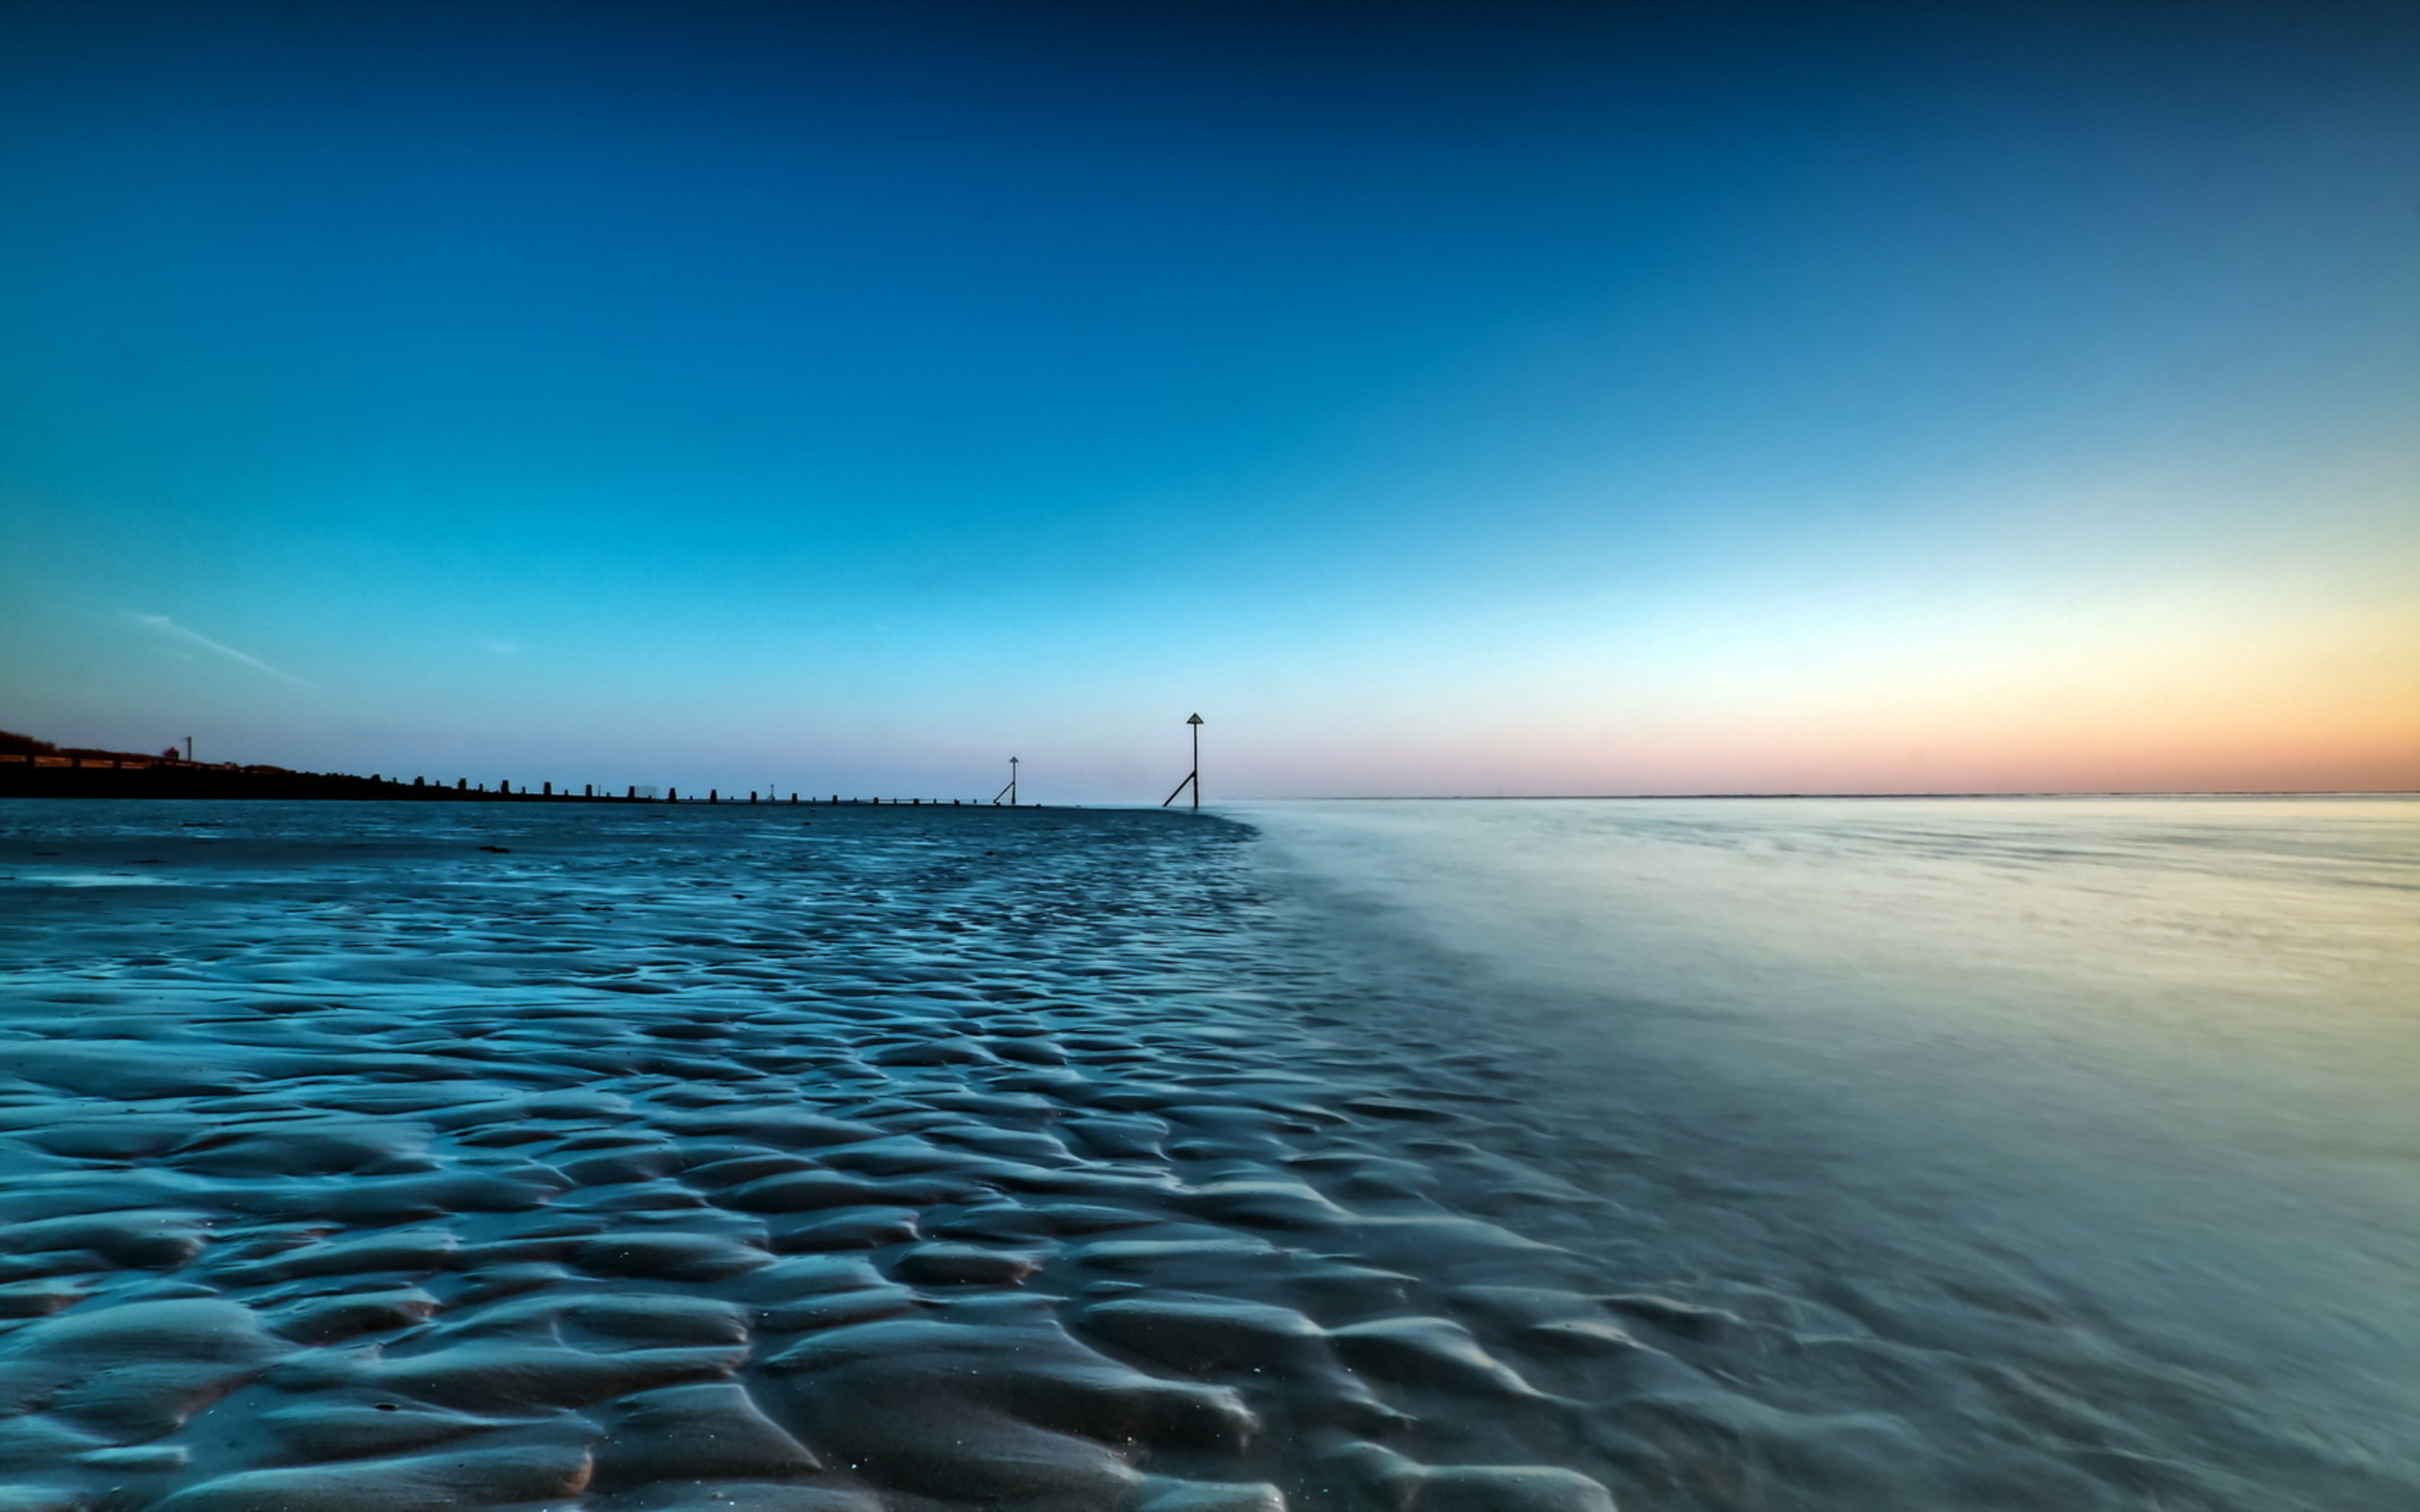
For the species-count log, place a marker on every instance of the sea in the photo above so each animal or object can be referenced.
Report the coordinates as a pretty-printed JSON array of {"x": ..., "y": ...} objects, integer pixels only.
[
  {"x": 1489, "y": 1156},
  {"x": 2122, "y": 1092}
]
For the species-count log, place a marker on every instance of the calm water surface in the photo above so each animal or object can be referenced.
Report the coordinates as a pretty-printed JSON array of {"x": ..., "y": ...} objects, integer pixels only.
[
  {"x": 1701, "y": 1156},
  {"x": 2158, "y": 1057}
]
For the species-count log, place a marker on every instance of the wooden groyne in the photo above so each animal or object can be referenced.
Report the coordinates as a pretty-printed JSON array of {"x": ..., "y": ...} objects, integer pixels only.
[{"x": 100, "y": 776}]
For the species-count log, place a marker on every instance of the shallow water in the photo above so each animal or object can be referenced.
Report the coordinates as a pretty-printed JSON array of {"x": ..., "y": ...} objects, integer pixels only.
[
  {"x": 813, "y": 1159},
  {"x": 2121, "y": 1094}
]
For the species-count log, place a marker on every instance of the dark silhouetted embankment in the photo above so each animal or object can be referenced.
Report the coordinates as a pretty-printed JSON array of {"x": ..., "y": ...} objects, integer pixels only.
[{"x": 37, "y": 768}]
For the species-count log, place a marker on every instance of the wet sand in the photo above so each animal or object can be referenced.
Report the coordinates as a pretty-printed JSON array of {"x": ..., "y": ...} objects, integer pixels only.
[
  {"x": 830, "y": 1160},
  {"x": 370, "y": 1159}
]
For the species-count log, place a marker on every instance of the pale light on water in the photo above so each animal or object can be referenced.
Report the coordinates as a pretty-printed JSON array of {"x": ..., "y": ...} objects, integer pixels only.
[
  {"x": 1701, "y": 1156},
  {"x": 2164, "y": 1053}
]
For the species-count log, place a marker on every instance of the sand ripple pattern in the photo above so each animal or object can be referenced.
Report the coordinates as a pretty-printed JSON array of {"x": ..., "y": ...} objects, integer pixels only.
[
  {"x": 367, "y": 1159},
  {"x": 790, "y": 1160}
]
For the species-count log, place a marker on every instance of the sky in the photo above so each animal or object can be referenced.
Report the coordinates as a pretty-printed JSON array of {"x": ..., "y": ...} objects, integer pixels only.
[{"x": 1438, "y": 399}]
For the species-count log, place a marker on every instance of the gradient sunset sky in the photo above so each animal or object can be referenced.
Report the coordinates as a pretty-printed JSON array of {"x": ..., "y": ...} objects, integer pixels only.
[{"x": 1489, "y": 398}]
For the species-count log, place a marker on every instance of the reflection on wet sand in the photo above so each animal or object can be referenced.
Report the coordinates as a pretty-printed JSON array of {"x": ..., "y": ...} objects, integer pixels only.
[
  {"x": 407, "y": 1159},
  {"x": 732, "y": 1161}
]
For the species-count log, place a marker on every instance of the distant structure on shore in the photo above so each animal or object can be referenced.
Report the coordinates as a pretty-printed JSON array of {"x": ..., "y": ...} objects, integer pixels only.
[
  {"x": 1193, "y": 778},
  {"x": 37, "y": 768}
]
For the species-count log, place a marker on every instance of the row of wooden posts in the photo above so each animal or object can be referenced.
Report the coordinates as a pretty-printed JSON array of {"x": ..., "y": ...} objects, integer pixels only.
[
  {"x": 1007, "y": 797},
  {"x": 713, "y": 794},
  {"x": 1009, "y": 794},
  {"x": 230, "y": 780}
]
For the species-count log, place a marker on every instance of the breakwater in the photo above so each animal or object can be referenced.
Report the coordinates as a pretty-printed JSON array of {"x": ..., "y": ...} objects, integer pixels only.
[{"x": 89, "y": 777}]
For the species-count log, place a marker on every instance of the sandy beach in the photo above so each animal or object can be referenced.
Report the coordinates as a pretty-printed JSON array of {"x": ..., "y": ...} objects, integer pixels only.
[
  {"x": 377, "y": 1159},
  {"x": 847, "y": 1160}
]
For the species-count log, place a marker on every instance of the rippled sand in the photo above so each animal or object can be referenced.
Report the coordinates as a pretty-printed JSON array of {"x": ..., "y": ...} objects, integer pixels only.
[
  {"x": 370, "y": 1159},
  {"x": 797, "y": 1159}
]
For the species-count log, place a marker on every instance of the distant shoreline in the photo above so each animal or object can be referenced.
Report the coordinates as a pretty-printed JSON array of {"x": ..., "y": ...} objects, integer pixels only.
[
  {"x": 89, "y": 778},
  {"x": 163, "y": 780},
  {"x": 181, "y": 780}
]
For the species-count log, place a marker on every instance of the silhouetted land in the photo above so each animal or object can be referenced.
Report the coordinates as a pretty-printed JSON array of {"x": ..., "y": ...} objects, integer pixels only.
[{"x": 37, "y": 768}]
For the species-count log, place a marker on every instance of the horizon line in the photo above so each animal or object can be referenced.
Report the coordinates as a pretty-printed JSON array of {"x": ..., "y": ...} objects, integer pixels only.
[{"x": 1546, "y": 798}]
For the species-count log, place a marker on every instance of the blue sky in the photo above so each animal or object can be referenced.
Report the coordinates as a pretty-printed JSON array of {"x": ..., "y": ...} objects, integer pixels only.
[{"x": 1441, "y": 398}]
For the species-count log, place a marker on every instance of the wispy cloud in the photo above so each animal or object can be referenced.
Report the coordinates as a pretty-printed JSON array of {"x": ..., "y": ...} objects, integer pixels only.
[{"x": 168, "y": 626}]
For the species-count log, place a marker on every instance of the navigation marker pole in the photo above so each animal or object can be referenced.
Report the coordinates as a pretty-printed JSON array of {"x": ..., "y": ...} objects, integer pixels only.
[
  {"x": 1193, "y": 779},
  {"x": 1009, "y": 792}
]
